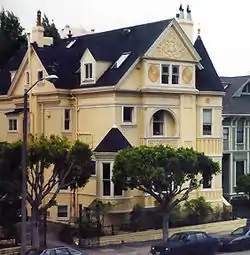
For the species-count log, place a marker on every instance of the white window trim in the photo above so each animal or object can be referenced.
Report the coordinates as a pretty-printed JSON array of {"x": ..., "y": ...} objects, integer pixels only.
[
  {"x": 164, "y": 125},
  {"x": 201, "y": 126},
  {"x": 111, "y": 183},
  {"x": 70, "y": 121},
  {"x": 170, "y": 74},
  {"x": 134, "y": 117},
  {"x": 13, "y": 131},
  {"x": 84, "y": 71},
  {"x": 212, "y": 185},
  {"x": 68, "y": 211}
]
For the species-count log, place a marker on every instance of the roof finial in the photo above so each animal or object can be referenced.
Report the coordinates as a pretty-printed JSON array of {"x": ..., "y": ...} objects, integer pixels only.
[
  {"x": 189, "y": 16},
  {"x": 199, "y": 29},
  {"x": 181, "y": 16},
  {"x": 38, "y": 19}
]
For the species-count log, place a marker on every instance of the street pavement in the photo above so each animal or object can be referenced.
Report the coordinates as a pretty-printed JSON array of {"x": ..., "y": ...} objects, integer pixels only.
[{"x": 144, "y": 250}]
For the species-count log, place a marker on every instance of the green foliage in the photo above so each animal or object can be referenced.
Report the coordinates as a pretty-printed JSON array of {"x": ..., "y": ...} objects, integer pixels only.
[
  {"x": 11, "y": 36},
  {"x": 243, "y": 184},
  {"x": 63, "y": 163},
  {"x": 162, "y": 172},
  {"x": 197, "y": 210},
  {"x": 50, "y": 29},
  {"x": 10, "y": 170}
]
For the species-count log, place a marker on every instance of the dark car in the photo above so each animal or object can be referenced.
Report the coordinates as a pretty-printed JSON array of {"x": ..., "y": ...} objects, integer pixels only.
[
  {"x": 187, "y": 243},
  {"x": 238, "y": 240},
  {"x": 61, "y": 251}
]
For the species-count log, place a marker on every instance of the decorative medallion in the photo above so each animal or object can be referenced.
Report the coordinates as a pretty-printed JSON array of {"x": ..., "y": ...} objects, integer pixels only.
[
  {"x": 153, "y": 73},
  {"x": 187, "y": 74}
]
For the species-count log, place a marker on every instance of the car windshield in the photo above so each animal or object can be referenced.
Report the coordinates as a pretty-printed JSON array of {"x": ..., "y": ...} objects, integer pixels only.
[{"x": 177, "y": 237}]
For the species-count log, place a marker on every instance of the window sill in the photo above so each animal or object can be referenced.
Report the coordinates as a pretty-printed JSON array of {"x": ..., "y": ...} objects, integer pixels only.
[
  {"x": 13, "y": 131},
  {"x": 66, "y": 132},
  {"x": 206, "y": 189},
  {"x": 131, "y": 124},
  {"x": 63, "y": 218},
  {"x": 114, "y": 197}
]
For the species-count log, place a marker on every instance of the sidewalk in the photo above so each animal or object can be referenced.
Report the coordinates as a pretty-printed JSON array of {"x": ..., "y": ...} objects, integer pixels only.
[{"x": 213, "y": 228}]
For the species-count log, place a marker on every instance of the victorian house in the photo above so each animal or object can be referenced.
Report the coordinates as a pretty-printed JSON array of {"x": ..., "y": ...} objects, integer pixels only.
[{"x": 142, "y": 85}]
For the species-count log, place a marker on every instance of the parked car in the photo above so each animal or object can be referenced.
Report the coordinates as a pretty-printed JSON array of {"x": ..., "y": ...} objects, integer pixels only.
[
  {"x": 61, "y": 251},
  {"x": 237, "y": 240},
  {"x": 187, "y": 243}
]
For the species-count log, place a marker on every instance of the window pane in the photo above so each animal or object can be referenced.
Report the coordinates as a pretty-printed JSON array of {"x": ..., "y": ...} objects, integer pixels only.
[
  {"x": 240, "y": 132},
  {"x": 158, "y": 116},
  {"x": 175, "y": 70},
  {"x": 157, "y": 128},
  {"x": 39, "y": 75},
  {"x": 92, "y": 166},
  {"x": 62, "y": 211},
  {"x": 165, "y": 69},
  {"x": 90, "y": 71},
  {"x": 207, "y": 129},
  {"x": 86, "y": 71},
  {"x": 128, "y": 114},
  {"x": 106, "y": 187},
  {"x": 207, "y": 116},
  {"x": 225, "y": 133},
  {"x": 106, "y": 171},
  {"x": 164, "y": 79},
  {"x": 239, "y": 170},
  {"x": 207, "y": 182},
  {"x": 175, "y": 79}
]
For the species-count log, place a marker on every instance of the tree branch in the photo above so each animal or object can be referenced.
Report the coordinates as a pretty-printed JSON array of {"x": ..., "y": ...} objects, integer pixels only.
[{"x": 52, "y": 200}]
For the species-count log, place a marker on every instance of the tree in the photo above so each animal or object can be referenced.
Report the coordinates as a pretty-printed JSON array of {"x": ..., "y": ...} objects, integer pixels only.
[
  {"x": 12, "y": 37},
  {"x": 53, "y": 163},
  {"x": 243, "y": 184},
  {"x": 167, "y": 174},
  {"x": 50, "y": 30}
]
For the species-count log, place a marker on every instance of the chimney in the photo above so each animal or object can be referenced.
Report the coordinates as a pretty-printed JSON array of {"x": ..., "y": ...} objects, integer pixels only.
[
  {"x": 186, "y": 22},
  {"x": 38, "y": 31}
]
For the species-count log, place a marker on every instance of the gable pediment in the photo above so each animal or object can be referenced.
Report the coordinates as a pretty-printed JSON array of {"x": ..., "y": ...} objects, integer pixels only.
[{"x": 173, "y": 44}]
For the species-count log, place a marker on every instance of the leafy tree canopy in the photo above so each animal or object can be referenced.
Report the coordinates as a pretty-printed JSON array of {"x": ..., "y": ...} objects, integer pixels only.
[
  {"x": 50, "y": 29},
  {"x": 167, "y": 174},
  {"x": 53, "y": 163},
  {"x": 12, "y": 37}
]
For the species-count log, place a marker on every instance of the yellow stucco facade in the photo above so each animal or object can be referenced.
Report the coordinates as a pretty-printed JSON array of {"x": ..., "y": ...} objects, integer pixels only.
[{"x": 93, "y": 111}]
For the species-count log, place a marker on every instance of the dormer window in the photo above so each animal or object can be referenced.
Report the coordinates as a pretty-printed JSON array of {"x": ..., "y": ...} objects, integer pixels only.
[{"x": 88, "y": 71}]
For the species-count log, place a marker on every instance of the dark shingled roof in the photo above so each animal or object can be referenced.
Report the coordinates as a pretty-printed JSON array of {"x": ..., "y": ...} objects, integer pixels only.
[
  {"x": 113, "y": 142},
  {"x": 104, "y": 46},
  {"x": 107, "y": 46},
  {"x": 206, "y": 79},
  {"x": 231, "y": 104},
  {"x": 12, "y": 65}
]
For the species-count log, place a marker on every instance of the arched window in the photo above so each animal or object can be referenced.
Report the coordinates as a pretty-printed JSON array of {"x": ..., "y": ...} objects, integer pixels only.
[{"x": 158, "y": 123}]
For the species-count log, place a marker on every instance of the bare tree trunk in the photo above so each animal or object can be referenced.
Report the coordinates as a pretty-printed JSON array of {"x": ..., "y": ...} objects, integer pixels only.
[
  {"x": 165, "y": 226},
  {"x": 35, "y": 229}
]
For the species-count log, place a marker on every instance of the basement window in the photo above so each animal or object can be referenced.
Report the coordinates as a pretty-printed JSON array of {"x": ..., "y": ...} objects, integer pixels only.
[{"x": 121, "y": 60}]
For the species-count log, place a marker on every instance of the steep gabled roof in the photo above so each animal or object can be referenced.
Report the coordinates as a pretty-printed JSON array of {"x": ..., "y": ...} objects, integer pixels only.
[
  {"x": 207, "y": 79},
  {"x": 105, "y": 46},
  {"x": 12, "y": 65},
  {"x": 113, "y": 142},
  {"x": 234, "y": 104}
]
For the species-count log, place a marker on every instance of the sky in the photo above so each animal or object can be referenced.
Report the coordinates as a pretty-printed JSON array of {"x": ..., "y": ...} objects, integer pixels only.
[{"x": 224, "y": 24}]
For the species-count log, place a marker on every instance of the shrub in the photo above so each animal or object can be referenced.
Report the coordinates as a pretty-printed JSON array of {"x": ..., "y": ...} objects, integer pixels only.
[{"x": 197, "y": 210}]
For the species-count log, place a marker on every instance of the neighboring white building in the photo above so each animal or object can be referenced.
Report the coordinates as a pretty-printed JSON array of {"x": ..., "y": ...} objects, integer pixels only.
[{"x": 74, "y": 31}]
